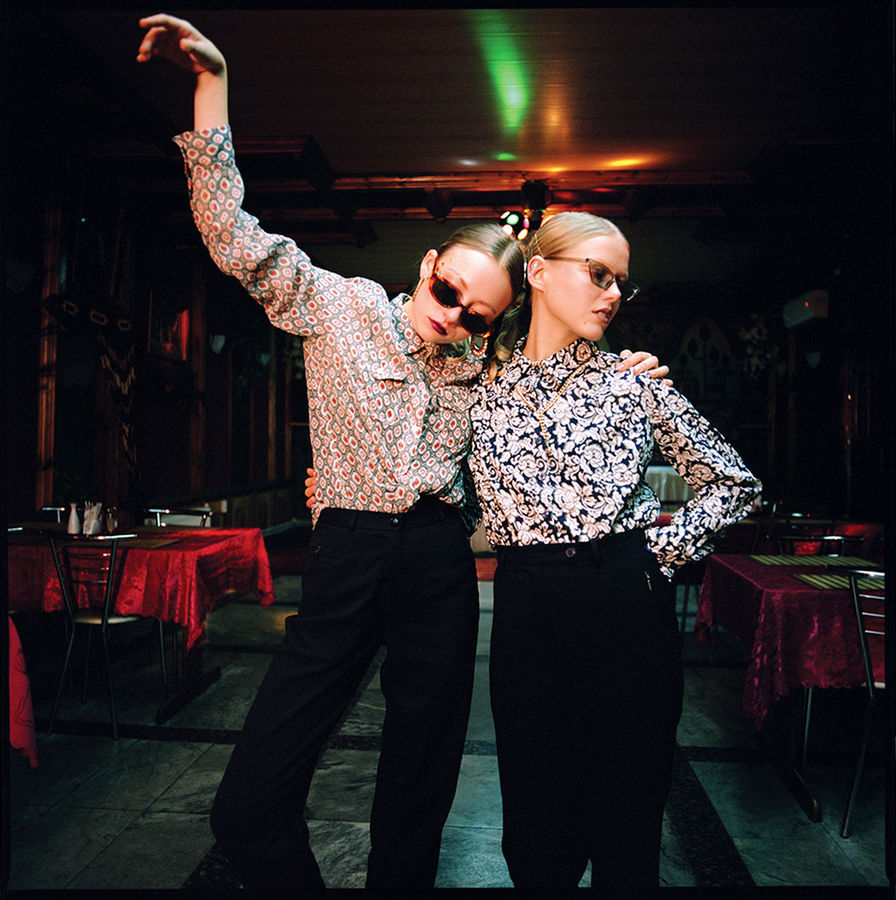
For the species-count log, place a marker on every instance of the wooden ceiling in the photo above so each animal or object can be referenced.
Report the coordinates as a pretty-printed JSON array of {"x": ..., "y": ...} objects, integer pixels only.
[{"x": 744, "y": 117}]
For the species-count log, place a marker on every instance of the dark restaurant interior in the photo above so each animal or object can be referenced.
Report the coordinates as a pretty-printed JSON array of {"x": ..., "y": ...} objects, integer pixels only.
[{"x": 747, "y": 154}]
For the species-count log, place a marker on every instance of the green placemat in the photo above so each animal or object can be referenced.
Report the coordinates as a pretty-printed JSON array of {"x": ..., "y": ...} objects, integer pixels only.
[
  {"x": 847, "y": 562},
  {"x": 829, "y": 581}
]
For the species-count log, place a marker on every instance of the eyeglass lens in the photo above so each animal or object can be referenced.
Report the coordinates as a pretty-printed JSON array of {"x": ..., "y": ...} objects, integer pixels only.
[
  {"x": 446, "y": 296},
  {"x": 604, "y": 279}
]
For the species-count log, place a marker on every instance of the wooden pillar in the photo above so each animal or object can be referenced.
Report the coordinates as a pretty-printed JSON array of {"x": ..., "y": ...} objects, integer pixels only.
[{"x": 46, "y": 395}]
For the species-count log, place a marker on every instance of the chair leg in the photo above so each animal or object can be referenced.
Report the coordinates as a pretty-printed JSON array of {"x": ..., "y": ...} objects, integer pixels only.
[
  {"x": 65, "y": 668},
  {"x": 164, "y": 654},
  {"x": 86, "y": 664},
  {"x": 108, "y": 666},
  {"x": 807, "y": 716},
  {"x": 860, "y": 765}
]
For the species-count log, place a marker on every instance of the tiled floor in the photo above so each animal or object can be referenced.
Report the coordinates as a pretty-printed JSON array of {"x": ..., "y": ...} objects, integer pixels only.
[{"x": 98, "y": 814}]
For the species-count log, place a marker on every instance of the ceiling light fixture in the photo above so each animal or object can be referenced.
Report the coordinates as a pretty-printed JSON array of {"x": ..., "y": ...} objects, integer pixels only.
[{"x": 535, "y": 200}]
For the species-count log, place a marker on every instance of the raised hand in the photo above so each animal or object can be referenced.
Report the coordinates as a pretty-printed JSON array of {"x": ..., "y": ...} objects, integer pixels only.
[{"x": 179, "y": 42}]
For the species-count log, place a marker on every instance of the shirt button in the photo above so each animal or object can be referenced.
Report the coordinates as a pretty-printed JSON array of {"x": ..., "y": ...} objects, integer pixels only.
[
  {"x": 570, "y": 552},
  {"x": 395, "y": 520}
]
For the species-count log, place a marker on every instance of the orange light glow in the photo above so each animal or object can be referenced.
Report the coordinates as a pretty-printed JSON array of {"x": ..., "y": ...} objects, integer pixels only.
[{"x": 631, "y": 162}]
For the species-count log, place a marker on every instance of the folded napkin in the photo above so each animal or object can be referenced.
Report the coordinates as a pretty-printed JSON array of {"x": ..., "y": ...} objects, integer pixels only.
[{"x": 93, "y": 518}]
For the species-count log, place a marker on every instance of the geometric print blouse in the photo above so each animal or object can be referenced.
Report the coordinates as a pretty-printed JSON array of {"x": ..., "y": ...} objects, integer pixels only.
[
  {"x": 561, "y": 448},
  {"x": 389, "y": 414}
]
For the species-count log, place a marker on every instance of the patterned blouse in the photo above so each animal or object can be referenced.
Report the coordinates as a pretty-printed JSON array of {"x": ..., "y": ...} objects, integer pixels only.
[
  {"x": 389, "y": 415},
  {"x": 561, "y": 447}
]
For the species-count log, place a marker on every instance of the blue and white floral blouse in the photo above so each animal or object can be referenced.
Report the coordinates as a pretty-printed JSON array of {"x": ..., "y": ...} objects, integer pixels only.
[{"x": 561, "y": 447}]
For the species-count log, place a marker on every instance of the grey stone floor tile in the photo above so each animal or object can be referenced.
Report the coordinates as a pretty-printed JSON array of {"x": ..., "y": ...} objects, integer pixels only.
[
  {"x": 224, "y": 703},
  {"x": 486, "y": 595},
  {"x": 66, "y": 761},
  {"x": 477, "y": 803},
  {"x": 50, "y": 850},
  {"x": 480, "y": 726},
  {"x": 136, "y": 774},
  {"x": 343, "y": 785},
  {"x": 712, "y": 715},
  {"x": 674, "y": 868},
  {"x": 341, "y": 850},
  {"x": 752, "y": 801},
  {"x": 245, "y": 625},
  {"x": 194, "y": 791},
  {"x": 471, "y": 858},
  {"x": 813, "y": 862},
  {"x": 156, "y": 851},
  {"x": 366, "y": 715}
]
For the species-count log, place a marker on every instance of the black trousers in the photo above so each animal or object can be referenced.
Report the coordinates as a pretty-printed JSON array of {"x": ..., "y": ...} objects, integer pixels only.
[
  {"x": 407, "y": 582},
  {"x": 586, "y": 688}
]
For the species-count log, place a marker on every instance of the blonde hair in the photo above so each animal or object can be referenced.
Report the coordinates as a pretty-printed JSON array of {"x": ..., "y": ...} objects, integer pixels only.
[{"x": 556, "y": 237}]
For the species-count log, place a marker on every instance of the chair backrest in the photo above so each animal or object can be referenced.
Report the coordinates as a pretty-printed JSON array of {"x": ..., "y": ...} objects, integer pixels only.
[
  {"x": 87, "y": 571},
  {"x": 57, "y": 511},
  {"x": 191, "y": 517},
  {"x": 868, "y": 599},
  {"x": 819, "y": 545}
]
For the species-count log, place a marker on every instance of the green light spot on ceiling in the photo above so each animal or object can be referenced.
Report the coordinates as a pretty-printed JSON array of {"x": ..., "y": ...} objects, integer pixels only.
[
  {"x": 505, "y": 157},
  {"x": 493, "y": 31}
]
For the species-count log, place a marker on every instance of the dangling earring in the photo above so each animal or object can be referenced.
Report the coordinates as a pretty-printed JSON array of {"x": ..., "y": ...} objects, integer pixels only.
[{"x": 419, "y": 285}]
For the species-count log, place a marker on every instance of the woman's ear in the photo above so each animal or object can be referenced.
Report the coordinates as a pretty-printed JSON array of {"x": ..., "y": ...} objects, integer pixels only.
[
  {"x": 427, "y": 264},
  {"x": 535, "y": 272}
]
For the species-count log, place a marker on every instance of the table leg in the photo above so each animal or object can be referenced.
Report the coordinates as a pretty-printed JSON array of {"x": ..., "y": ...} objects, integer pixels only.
[
  {"x": 783, "y": 741},
  {"x": 194, "y": 679}
]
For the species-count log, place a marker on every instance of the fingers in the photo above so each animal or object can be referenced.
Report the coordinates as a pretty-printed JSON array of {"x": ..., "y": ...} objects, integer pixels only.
[
  {"x": 166, "y": 36},
  {"x": 639, "y": 362}
]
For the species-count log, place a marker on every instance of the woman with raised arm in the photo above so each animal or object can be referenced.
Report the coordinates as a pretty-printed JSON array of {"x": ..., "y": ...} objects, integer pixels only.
[
  {"x": 586, "y": 669},
  {"x": 390, "y": 562}
]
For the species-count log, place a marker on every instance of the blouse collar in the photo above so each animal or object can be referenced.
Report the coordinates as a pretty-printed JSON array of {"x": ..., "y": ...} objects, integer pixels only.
[{"x": 559, "y": 366}]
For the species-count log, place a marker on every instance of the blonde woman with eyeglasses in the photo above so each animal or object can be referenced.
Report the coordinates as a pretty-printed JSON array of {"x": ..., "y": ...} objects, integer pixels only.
[{"x": 586, "y": 669}]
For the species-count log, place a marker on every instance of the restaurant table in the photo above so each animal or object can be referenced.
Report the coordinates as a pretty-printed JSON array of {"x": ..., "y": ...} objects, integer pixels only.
[
  {"x": 176, "y": 576},
  {"x": 795, "y": 616}
]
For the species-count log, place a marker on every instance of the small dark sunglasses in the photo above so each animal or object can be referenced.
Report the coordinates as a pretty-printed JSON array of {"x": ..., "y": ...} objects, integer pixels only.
[{"x": 445, "y": 295}]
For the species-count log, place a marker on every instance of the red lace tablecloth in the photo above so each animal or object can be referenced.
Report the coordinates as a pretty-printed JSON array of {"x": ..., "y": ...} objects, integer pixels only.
[
  {"x": 797, "y": 634},
  {"x": 175, "y": 576}
]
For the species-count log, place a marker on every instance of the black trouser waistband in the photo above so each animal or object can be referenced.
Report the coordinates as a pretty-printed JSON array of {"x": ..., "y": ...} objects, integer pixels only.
[
  {"x": 428, "y": 510},
  {"x": 620, "y": 541}
]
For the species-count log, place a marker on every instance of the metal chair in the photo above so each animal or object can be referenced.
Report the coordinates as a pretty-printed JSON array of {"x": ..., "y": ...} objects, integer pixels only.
[
  {"x": 814, "y": 545},
  {"x": 89, "y": 577},
  {"x": 819, "y": 544},
  {"x": 868, "y": 598},
  {"x": 165, "y": 516}
]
